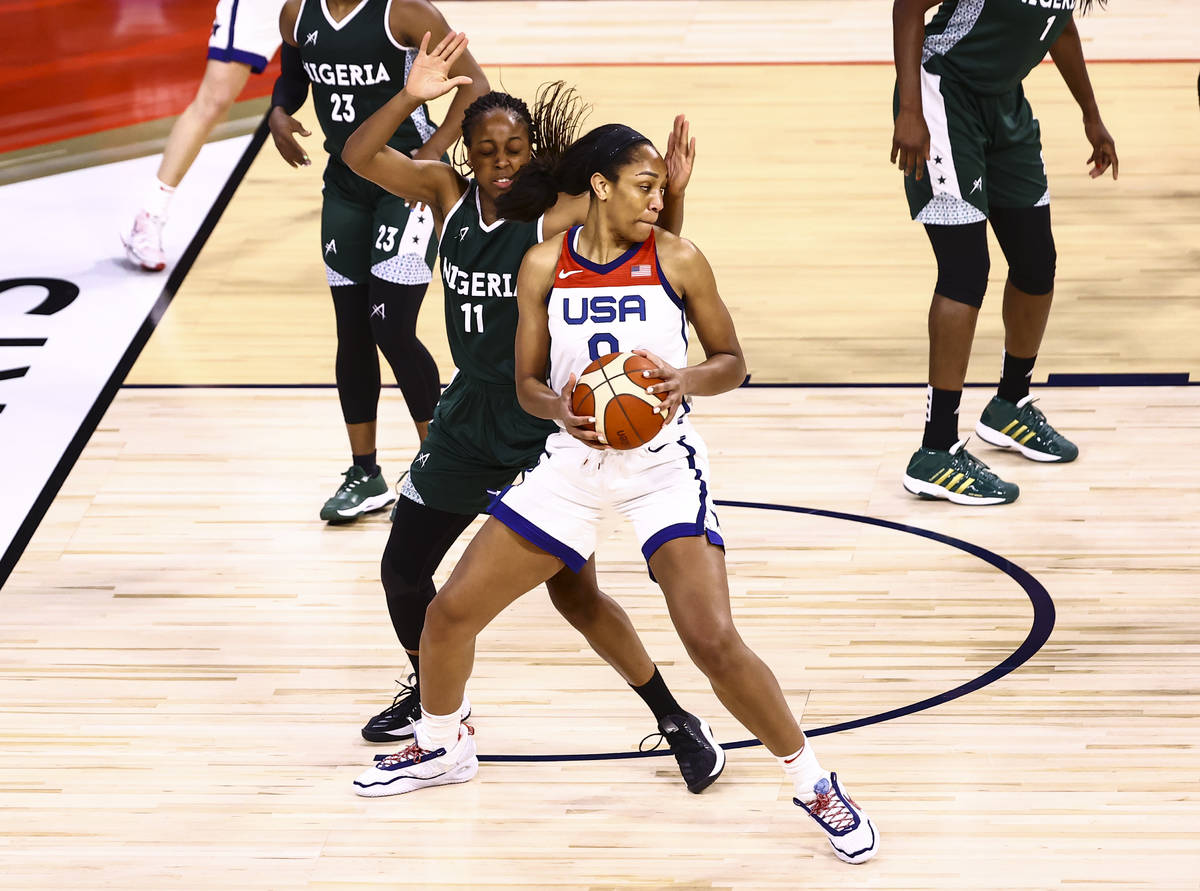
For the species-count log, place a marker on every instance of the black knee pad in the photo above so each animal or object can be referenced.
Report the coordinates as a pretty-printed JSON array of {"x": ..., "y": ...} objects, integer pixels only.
[
  {"x": 1028, "y": 244},
  {"x": 357, "y": 366},
  {"x": 963, "y": 262}
]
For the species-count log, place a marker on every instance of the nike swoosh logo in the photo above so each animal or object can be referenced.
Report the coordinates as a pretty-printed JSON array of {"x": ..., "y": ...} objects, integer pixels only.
[
  {"x": 563, "y": 273},
  {"x": 659, "y": 449}
]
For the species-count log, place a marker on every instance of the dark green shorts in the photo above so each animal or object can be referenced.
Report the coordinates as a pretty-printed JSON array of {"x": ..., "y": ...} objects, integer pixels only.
[
  {"x": 367, "y": 231},
  {"x": 984, "y": 151},
  {"x": 479, "y": 440}
]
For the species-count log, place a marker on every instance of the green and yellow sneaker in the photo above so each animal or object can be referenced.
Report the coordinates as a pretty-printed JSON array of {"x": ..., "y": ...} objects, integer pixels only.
[
  {"x": 1023, "y": 427},
  {"x": 358, "y": 494},
  {"x": 957, "y": 476}
]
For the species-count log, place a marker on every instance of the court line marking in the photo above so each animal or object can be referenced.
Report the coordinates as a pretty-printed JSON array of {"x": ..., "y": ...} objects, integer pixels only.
[{"x": 1039, "y": 632}]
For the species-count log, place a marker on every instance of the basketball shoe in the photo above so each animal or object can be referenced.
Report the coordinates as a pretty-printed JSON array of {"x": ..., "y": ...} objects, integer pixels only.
[
  {"x": 957, "y": 476},
  {"x": 1023, "y": 427},
  {"x": 358, "y": 494},
  {"x": 851, "y": 833},
  {"x": 415, "y": 768},
  {"x": 143, "y": 245},
  {"x": 398, "y": 721},
  {"x": 697, "y": 752}
]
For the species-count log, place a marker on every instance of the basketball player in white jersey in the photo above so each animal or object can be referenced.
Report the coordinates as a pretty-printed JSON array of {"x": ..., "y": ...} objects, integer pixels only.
[
  {"x": 244, "y": 37},
  {"x": 615, "y": 283}
]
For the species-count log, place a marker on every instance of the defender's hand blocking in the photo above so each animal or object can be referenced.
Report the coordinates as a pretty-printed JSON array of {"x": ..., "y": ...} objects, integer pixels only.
[
  {"x": 429, "y": 76},
  {"x": 681, "y": 155},
  {"x": 582, "y": 427}
]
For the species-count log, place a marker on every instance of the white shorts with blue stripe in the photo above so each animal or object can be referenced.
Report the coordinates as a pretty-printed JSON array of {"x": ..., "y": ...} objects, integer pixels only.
[
  {"x": 663, "y": 487},
  {"x": 245, "y": 31}
]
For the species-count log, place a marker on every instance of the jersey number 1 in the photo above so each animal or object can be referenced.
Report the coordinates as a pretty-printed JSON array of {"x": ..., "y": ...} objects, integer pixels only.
[{"x": 1049, "y": 25}]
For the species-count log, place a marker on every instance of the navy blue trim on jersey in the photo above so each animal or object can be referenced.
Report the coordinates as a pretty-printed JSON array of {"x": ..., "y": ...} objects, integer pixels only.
[
  {"x": 256, "y": 62},
  {"x": 535, "y": 535},
  {"x": 675, "y": 298},
  {"x": 684, "y": 530},
  {"x": 597, "y": 267}
]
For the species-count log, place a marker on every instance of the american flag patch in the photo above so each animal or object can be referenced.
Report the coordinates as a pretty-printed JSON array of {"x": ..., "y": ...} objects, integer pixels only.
[{"x": 640, "y": 270}]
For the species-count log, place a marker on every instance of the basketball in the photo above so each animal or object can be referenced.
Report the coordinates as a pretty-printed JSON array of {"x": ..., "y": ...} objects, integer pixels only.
[{"x": 612, "y": 390}]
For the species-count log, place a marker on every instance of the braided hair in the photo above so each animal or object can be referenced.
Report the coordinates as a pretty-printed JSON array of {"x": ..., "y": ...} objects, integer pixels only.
[
  {"x": 557, "y": 113},
  {"x": 536, "y": 187}
]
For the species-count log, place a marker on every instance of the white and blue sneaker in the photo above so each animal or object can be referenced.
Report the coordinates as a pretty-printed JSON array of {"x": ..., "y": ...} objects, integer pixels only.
[
  {"x": 415, "y": 768},
  {"x": 851, "y": 833}
]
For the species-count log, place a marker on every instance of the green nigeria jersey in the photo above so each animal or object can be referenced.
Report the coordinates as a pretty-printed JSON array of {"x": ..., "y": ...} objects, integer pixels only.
[
  {"x": 479, "y": 276},
  {"x": 990, "y": 45},
  {"x": 356, "y": 66}
]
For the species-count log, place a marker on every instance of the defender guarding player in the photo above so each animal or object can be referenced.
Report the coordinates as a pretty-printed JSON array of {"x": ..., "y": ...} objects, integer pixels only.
[
  {"x": 550, "y": 519},
  {"x": 378, "y": 251},
  {"x": 480, "y": 437},
  {"x": 971, "y": 152}
]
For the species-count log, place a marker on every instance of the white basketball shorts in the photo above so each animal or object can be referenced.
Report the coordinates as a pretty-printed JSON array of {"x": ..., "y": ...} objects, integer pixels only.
[
  {"x": 662, "y": 487},
  {"x": 246, "y": 31}
]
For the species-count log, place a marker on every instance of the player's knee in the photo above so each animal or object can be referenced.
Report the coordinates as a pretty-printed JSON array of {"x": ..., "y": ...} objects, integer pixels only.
[
  {"x": 1028, "y": 242},
  {"x": 212, "y": 105},
  {"x": 962, "y": 261},
  {"x": 447, "y": 617},
  {"x": 576, "y": 602},
  {"x": 713, "y": 646}
]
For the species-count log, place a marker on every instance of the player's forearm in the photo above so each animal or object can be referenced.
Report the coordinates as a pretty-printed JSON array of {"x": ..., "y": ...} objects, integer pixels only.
[
  {"x": 671, "y": 217},
  {"x": 719, "y": 373},
  {"x": 908, "y": 36},
  {"x": 365, "y": 147},
  {"x": 1067, "y": 53},
  {"x": 291, "y": 87},
  {"x": 538, "y": 399}
]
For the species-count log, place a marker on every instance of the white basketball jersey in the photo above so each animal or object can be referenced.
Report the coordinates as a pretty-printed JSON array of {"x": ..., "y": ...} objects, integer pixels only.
[{"x": 616, "y": 307}]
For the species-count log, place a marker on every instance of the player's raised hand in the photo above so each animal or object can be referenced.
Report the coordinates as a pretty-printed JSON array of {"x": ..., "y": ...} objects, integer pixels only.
[
  {"x": 581, "y": 427},
  {"x": 429, "y": 76},
  {"x": 671, "y": 388},
  {"x": 1104, "y": 150},
  {"x": 284, "y": 128},
  {"x": 681, "y": 155}
]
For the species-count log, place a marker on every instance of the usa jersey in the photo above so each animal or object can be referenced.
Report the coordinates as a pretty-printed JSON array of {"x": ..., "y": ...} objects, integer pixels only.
[{"x": 596, "y": 309}]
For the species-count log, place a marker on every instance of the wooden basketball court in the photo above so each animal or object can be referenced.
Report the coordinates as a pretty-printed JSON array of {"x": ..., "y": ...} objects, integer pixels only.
[{"x": 189, "y": 653}]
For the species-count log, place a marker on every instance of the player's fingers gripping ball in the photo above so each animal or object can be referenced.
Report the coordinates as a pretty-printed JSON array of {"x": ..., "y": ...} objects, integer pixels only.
[{"x": 612, "y": 389}]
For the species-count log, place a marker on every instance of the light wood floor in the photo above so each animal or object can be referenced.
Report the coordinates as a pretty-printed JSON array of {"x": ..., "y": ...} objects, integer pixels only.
[{"x": 187, "y": 653}]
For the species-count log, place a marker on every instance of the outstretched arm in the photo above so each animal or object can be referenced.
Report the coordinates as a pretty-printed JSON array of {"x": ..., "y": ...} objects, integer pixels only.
[
  {"x": 680, "y": 158},
  {"x": 367, "y": 153},
  {"x": 1067, "y": 53},
  {"x": 409, "y": 20}
]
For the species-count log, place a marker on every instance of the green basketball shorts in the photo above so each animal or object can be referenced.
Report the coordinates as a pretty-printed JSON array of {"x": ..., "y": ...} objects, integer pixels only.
[
  {"x": 367, "y": 231},
  {"x": 984, "y": 152}
]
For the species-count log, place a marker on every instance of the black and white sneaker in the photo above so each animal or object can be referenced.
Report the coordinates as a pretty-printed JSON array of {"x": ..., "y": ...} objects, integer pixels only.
[
  {"x": 397, "y": 720},
  {"x": 700, "y": 757}
]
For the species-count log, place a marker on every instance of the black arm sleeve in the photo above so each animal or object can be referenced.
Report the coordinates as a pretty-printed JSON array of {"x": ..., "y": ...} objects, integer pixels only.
[{"x": 291, "y": 87}]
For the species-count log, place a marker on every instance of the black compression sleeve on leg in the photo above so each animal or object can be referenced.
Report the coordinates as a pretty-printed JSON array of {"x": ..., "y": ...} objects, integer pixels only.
[
  {"x": 357, "y": 366},
  {"x": 291, "y": 87},
  {"x": 1025, "y": 237},
  {"x": 419, "y": 540},
  {"x": 393, "y": 313},
  {"x": 962, "y": 261}
]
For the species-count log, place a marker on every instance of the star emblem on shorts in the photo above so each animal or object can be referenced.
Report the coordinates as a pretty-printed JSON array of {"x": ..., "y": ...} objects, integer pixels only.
[
  {"x": 420, "y": 219},
  {"x": 937, "y": 159},
  {"x": 941, "y": 180},
  {"x": 416, "y": 238},
  {"x": 216, "y": 28}
]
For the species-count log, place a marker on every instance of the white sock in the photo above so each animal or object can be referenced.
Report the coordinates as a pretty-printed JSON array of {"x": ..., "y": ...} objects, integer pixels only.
[
  {"x": 158, "y": 199},
  {"x": 438, "y": 731},
  {"x": 803, "y": 769}
]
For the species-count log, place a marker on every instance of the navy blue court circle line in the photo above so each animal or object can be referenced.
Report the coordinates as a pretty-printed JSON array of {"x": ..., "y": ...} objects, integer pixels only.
[{"x": 1039, "y": 633}]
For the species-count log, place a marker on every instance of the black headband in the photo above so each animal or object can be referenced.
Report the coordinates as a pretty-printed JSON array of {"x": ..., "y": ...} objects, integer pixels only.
[{"x": 611, "y": 143}]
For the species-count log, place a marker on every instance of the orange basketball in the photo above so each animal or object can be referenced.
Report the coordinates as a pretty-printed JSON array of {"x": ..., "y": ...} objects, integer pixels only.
[{"x": 612, "y": 390}]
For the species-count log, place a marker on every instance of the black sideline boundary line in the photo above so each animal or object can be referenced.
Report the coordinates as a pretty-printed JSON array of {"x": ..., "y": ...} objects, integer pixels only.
[{"x": 115, "y": 381}]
